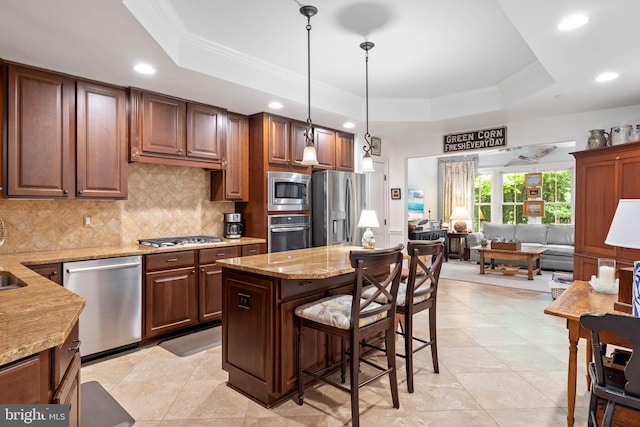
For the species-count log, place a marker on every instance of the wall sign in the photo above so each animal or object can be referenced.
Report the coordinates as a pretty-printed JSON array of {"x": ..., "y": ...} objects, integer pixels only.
[{"x": 476, "y": 140}]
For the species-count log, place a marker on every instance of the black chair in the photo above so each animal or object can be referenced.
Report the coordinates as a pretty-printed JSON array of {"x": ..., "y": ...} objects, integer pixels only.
[
  {"x": 353, "y": 323},
  {"x": 419, "y": 294},
  {"x": 614, "y": 386}
]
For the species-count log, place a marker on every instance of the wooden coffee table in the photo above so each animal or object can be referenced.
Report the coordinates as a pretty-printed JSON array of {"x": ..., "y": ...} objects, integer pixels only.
[{"x": 528, "y": 254}]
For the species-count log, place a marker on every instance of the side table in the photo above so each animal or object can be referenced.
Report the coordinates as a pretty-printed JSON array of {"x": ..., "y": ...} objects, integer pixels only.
[{"x": 461, "y": 239}]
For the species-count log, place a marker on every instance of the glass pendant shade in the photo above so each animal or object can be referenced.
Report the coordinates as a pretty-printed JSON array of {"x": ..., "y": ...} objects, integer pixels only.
[
  {"x": 367, "y": 163},
  {"x": 309, "y": 155}
]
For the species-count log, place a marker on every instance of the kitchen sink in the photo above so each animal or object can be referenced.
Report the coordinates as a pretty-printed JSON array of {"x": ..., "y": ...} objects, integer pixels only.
[{"x": 9, "y": 281}]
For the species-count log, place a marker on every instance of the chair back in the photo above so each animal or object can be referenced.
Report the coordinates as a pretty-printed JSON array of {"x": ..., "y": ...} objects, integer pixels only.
[
  {"x": 423, "y": 278},
  {"x": 383, "y": 288},
  {"x": 624, "y": 327}
]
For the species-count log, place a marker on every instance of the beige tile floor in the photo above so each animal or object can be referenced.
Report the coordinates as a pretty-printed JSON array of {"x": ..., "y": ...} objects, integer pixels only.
[{"x": 503, "y": 362}]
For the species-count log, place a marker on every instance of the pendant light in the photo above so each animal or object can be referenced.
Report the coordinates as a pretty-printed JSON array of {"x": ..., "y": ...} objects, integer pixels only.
[
  {"x": 367, "y": 161},
  {"x": 309, "y": 155}
]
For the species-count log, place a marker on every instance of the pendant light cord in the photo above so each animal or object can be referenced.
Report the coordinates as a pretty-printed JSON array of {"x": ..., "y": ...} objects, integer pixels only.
[
  {"x": 366, "y": 46},
  {"x": 309, "y": 133}
]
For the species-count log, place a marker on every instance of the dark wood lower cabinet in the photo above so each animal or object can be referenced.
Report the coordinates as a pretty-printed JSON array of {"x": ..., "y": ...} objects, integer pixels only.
[
  {"x": 210, "y": 281},
  {"x": 51, "y": 376},
  {"x": 51, "y": 271},
  {"x": 259, "y": 334},
  {"x": 170, "y": 300}
]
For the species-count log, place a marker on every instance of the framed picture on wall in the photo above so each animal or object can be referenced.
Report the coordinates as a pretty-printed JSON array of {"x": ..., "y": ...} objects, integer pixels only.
[
  {"x": 534, "y": 192},
  {"x": 533, "y": 179},
  {"x": 396, "y": 194},
  {"x": 533, "y": 208},
  {"x": 376, "y": 146}
]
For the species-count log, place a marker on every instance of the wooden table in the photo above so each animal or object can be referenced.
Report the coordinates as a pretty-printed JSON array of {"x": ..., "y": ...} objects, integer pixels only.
[
  {"x": 580, "y": 298},
  {"x": 460, "y": 237},
  {"x": 528, "y": 254}
]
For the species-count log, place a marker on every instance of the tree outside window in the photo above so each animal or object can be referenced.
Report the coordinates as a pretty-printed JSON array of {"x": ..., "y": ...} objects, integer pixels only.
[
  {"x": 514, "y": 193},
  {"x": 481, "y": 200},
  {"x": 556, "y": 193}
]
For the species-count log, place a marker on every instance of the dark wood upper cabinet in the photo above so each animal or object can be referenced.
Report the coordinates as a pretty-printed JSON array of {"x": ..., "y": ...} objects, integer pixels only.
[
  {"x": 66, "y": 139},
  {"x": 325, "y": 141},
  {"x": 169, "y": 130},
  {"x": 205, "y": 132},
  {"x": 101, "y": 141},
  {"x": 163, "y": 125},
  {"x": 232, "y": 183},
  {"x": 279, "y": 140},
  {"x": 298, "y": 142},
  {"x": 344, "y": 152},
  {"x": 41, "y": 134}
]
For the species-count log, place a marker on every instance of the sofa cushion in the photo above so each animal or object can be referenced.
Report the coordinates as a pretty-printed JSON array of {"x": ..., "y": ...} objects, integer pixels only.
[
  {"x": 531, "y": 233},
  {"x": 563, "y": 250},
  {"x": 560, "y": 234},
  {"x": 492, "y": 230}
]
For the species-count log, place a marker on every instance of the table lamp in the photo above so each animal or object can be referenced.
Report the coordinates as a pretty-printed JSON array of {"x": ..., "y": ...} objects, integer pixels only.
[
  {"x": 625, "y": 233},
  {"x": 368, "y": 219},
  {"x": 460, "y": 218}
]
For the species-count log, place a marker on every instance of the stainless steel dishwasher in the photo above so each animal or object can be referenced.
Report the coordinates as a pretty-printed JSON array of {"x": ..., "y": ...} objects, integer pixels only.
[{"x": 112, "y": 288}]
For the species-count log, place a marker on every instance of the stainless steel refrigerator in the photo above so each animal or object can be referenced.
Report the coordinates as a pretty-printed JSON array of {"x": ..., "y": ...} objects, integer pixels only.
[{"x": 337, "y": 200}]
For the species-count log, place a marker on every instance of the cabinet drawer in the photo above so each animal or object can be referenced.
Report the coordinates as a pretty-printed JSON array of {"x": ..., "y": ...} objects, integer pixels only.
[
  {"x": 50, "y": 271},
  {"x": 251, "y": 249},
  {"x": 210, "y": 255},
  {"x": 296, "y": 288},
  {"x": 169, "y": 260},
  {"x": 63, "y": 355}
]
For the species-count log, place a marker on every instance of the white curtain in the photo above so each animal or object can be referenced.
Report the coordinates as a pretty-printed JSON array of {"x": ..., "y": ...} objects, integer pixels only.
[{"x": 456, "y": 183}]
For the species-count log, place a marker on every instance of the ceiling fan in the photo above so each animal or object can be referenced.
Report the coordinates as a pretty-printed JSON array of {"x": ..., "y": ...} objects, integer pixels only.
[{"x": 535, "y": 156}]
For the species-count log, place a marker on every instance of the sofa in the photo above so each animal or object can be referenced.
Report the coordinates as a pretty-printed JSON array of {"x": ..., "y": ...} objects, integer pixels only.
[{"x": 557, "y": 238}]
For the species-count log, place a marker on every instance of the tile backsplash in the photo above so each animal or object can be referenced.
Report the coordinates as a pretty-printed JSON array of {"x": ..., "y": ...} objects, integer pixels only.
[{"x": 163, "y": 201}]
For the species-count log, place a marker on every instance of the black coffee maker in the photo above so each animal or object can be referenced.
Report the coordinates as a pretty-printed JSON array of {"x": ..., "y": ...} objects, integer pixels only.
[{"x": 233, "y": 227}]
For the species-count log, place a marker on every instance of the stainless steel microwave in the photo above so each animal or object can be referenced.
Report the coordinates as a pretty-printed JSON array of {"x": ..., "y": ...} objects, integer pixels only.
[{"x": 288, "y": 191}]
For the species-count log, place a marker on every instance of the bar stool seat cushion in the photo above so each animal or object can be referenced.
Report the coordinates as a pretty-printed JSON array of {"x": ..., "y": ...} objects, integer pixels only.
[
  {"x": 402, "y": 293},
  {"x": 336, "y": 311}
]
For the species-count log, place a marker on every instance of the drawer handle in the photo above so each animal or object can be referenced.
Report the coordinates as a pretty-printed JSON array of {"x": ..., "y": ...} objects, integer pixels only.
[
  {"x": 77, "y": 346},
  {"x": 252, "y": 251},
  {"x": 172, "y": 260},
  {"x": 222, "y": 254},
  {"x": 304, "y": 282}
]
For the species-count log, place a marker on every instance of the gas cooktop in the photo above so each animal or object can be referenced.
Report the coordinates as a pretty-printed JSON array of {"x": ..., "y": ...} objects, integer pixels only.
[{"x": 164, "y": 242}]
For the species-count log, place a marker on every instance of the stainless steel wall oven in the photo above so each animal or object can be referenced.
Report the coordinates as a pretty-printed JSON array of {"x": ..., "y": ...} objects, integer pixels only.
[{"x": 289, "y": 232}]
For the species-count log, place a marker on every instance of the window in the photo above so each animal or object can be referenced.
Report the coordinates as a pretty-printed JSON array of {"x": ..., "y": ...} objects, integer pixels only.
[
  {"x": 556, "y": 193},
  {"x": 514, "y": 193},
  {"x": 481, "y": 200}
]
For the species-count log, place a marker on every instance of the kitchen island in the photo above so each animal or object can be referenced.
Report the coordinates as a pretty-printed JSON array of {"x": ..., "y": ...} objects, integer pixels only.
[{"x": 260, "y": 294}]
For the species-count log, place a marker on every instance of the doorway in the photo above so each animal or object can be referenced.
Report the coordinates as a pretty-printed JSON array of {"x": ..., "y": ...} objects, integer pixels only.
[{"x": 378, "y": 190}]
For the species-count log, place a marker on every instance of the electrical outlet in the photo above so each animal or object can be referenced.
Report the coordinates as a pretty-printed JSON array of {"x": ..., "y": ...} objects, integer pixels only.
[
  {"x": 86, "y": 221},
  {"x": 244, "y": 301}
]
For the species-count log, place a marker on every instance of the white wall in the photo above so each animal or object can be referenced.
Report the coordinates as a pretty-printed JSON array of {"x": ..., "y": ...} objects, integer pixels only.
[{"x": 573, "y": 127}]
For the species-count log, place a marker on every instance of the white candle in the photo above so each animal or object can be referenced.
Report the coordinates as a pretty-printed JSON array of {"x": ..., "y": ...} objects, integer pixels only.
[{"x": 607, "y": 275}]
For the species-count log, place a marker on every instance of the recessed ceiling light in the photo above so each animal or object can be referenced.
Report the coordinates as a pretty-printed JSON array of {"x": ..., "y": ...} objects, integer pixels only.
[
  {"x": 349, "y": 125},
  {"x": 605, "y": 77},
  {"x": 573, "y": 22},
  {"x": 145, "y": 69},
  {"x": 275, "y": 105}
]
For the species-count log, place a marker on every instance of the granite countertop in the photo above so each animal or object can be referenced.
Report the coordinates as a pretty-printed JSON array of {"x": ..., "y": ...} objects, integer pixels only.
[
  {"x": 312, "y": 263},
  {"x": 41, "y": 315}
]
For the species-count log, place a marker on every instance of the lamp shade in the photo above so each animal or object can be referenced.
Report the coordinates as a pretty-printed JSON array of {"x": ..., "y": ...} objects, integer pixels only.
[
  {"x": 367, "y": 163},
  {"x": 309, "y": 155},
  {"x": 460, "y": 213},
  {"x": 368, "y": 219},
  {"x": 625, "y": 227}
]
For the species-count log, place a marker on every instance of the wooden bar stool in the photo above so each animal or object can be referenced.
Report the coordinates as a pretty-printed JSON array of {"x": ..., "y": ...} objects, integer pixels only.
[{"x": 354, "y": 319}]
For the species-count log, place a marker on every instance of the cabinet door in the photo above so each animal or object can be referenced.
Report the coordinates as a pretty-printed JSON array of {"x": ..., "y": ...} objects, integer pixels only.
[
  {"x": 50, "y": 271},
  {"x": 68, "y": 392},
  {"x": 279, "y": 152},
  {"x": 163, "y": 125},
  {"x": 41, "y": 134},
  {"x": 325, "y": 148},
  {"x": 237, "y": 169},
  {"x": 210, "y": 286},
  {"x": 101, "y": 156},
  {"x": 170, "y": 300},
  {"x": 344, "y": 152},
  {"x": 629, "y": 189},
  {"x": 298, "y": 142},
  {"x": 596, "y": 183},
  {"x": 26, "y": 381},
  {"x": 205, "y": 132}
]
